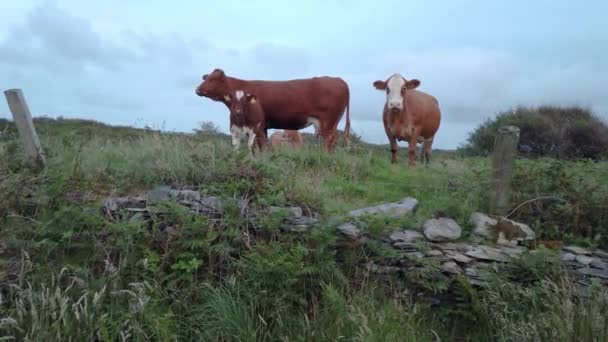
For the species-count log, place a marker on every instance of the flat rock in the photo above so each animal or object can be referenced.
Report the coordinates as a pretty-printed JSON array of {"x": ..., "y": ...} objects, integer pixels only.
[
  {"x": 418, "y": 255},
  {"x": 576, "y": 250},
  {"x": 481, "y": 224},
  {"x": 349, "y": 230},
  {"x": 434, "y": 253},
  {"x": 381, "y": 269},
  {"x": 453, "y": 246},
  {"x": 459, "y": 257},
  {"x": 584, "y": 260},
  {"x": 486, "y": 253},
  {"x": 292, "y": 212},
  {"x": 396, "y": 209},
  {"x": 451, "y": 267},
  {"x": 405, "y": 236},
  {"x": 405, "y": 246},
  {"x": 161, "y": 193},
  {"x": 593, "y": 272},
  {"x": 513, "y": 251},
  {"x": 442, "y": 229},
  {"x": 600, "y": 254},
  {"x": 598, "y": 263},
  {"x": 187, "y": 195},
  {"x": 567, "y": 256}
]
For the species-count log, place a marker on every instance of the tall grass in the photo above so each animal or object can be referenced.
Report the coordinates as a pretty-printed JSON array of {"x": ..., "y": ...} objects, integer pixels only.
[{"x": 69, "y": 273}]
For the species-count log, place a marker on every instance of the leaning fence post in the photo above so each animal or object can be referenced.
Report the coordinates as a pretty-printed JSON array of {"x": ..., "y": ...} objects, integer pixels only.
[
  {"x": 505, "y": 149},
  {"x": 25, "y": 126}
]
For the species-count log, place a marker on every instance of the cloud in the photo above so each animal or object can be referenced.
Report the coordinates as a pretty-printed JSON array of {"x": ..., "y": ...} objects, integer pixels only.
[{"x": 67, "y": 66}]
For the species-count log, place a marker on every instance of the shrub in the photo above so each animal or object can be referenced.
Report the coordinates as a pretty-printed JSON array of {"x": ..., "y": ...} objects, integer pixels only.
[{"x": 551, "y": 131}]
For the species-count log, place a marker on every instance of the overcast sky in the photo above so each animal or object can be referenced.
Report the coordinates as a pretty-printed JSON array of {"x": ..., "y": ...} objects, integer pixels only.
[{"x": 137, "y": 62}]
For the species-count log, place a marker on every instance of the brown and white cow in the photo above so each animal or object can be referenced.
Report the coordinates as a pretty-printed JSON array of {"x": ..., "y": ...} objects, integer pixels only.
[
  {"x": 409, "y": 115},
  {"x": 291, "y": 104},
  {"x": 246, "y": 119},
  {"x": 287, "y": 138}
]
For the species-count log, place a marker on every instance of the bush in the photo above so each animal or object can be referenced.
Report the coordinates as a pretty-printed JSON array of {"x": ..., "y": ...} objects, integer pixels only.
[{"x": 547, "y": 131}]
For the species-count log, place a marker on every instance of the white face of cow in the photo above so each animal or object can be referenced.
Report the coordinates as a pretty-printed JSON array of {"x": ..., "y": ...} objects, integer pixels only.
[
  {"x": 395, "y": 91},
  {"x": 395, "y": 88}
]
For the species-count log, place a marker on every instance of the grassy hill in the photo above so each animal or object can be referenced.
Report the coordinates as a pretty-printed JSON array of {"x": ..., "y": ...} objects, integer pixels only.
[{"x": 66, "y": 270}]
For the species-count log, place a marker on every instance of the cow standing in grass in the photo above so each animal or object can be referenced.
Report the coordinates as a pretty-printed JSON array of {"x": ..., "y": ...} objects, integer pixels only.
[
  {"x": 409, "y": 115},
  {"x": 292, "y": 104},
  {"x": 246, "y": 120}
]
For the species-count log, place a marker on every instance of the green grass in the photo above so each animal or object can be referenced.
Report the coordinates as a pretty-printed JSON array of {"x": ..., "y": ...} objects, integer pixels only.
[{"x": 66, "y": 271}]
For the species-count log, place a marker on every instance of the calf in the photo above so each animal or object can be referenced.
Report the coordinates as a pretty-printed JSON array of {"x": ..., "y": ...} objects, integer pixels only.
[
  {"x": 409, "y": 115},
  {"x": 287, "y": 137},
  {"x": 290, "y": 104},
  {"x": 246, "y": 120}
]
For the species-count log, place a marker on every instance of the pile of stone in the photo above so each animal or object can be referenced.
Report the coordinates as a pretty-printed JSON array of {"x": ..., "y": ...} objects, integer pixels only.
[
  {"x": 440, "y": 240},
  {"x": 127, "y": 207}
]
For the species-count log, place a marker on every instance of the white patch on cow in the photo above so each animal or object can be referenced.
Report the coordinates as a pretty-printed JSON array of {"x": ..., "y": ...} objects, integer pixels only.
[
  {"x": 315, "y": 122},
  {"x": 239, "y": 94},
  {"x": 394, "y": 98},
  {"x": 240, "y": 133}
]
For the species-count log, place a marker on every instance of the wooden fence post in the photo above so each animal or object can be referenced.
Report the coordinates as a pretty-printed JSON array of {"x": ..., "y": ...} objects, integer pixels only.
[
  {"x": 505, "y": 150},
  {"x": 25, "y": 126}
]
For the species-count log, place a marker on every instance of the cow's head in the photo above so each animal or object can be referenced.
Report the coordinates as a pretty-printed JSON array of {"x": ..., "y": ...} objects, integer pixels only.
[
  {"x": 214, "y": 86},
  {"x": 239, "y": 102},
  {"x": 395, "y": 88}
]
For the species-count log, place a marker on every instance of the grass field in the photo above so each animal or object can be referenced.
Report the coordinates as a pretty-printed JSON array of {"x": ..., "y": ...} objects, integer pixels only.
[{"x": 69, "y": 273}]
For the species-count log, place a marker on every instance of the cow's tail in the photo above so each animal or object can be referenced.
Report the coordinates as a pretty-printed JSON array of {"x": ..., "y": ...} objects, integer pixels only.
[{"x": 347, "y": 126}]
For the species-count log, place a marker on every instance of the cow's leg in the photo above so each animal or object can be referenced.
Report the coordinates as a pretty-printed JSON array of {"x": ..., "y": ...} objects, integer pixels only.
[
  {"x": 250, "y": 143},
  {"x": 411, "y": 150},
  {"x": 426, "y": 149},
  {"x": 235, "y": 138},
  {"x": 393, "y": 142},
  {"x": 261, "y": 139}
]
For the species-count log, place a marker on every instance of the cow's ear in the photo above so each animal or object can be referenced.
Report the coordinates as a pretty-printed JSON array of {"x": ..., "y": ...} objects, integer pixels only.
[
  {"x": 412, "y": 84},
  {"x": 205, "y": 76},
  {"x": 251, "y": 98},
  {"x": 219, "y": 71},
  {"x": 380, "y": 85},
  {"x": 227, "y": 97}
]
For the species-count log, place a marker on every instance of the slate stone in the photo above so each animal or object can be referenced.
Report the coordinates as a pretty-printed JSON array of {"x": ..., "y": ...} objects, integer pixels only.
[
  {"x": 405, "y": 236},
  {"x": 349, "y": 230},
  {"x": 396, "y": 209},
  {"x": 442, "y": 229}
]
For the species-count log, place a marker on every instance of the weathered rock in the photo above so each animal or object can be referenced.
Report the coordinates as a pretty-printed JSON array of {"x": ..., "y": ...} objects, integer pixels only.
[
  {"x": 434, "y": 253},
  {"x": 567, "y": 257},
  {"x": 481, "y": 224},
  {"x": 453, "y": 246},
  {"x": 405, "y": 246},
  {"x": 381, "y": 269},
  {"x": 600, "y": 254},
  {"x": 576, "y": 250},
  {"x": 598, "y": 263},
  {"x": 418, "y": 255},
  {"x": 405, "y": 236},
  {"x": 300, "y": 224},
  {"x": 161, "y": 193},
  {"x": 451, "y": 267},
  {"x": 349, "y": 230},
  {"x": 513, "y": 251},
  {"x": 459, "y": 257},
  {"x": 442, "y": 229},
  {"x": 190, "y": 195},
  {"x": 292, "y": 212},
  {"x": 583, "y": 260},
  {"x": 396, "y": 209},
  {"x": 593, "y": 272},
  {"x": 486, "y": 253}
]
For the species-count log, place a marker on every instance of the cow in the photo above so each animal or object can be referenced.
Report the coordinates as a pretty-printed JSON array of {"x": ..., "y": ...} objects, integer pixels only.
[
  {"x": 246, "y": 119},
  {"x": 287, "y": 137},
  {"x": 292, "y": 104},
  {"x": 409, "y": 115}
]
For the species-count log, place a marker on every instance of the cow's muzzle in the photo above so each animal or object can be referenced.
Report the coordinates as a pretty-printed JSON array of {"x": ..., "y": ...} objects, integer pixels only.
[{"x": 395, "y": 110}]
